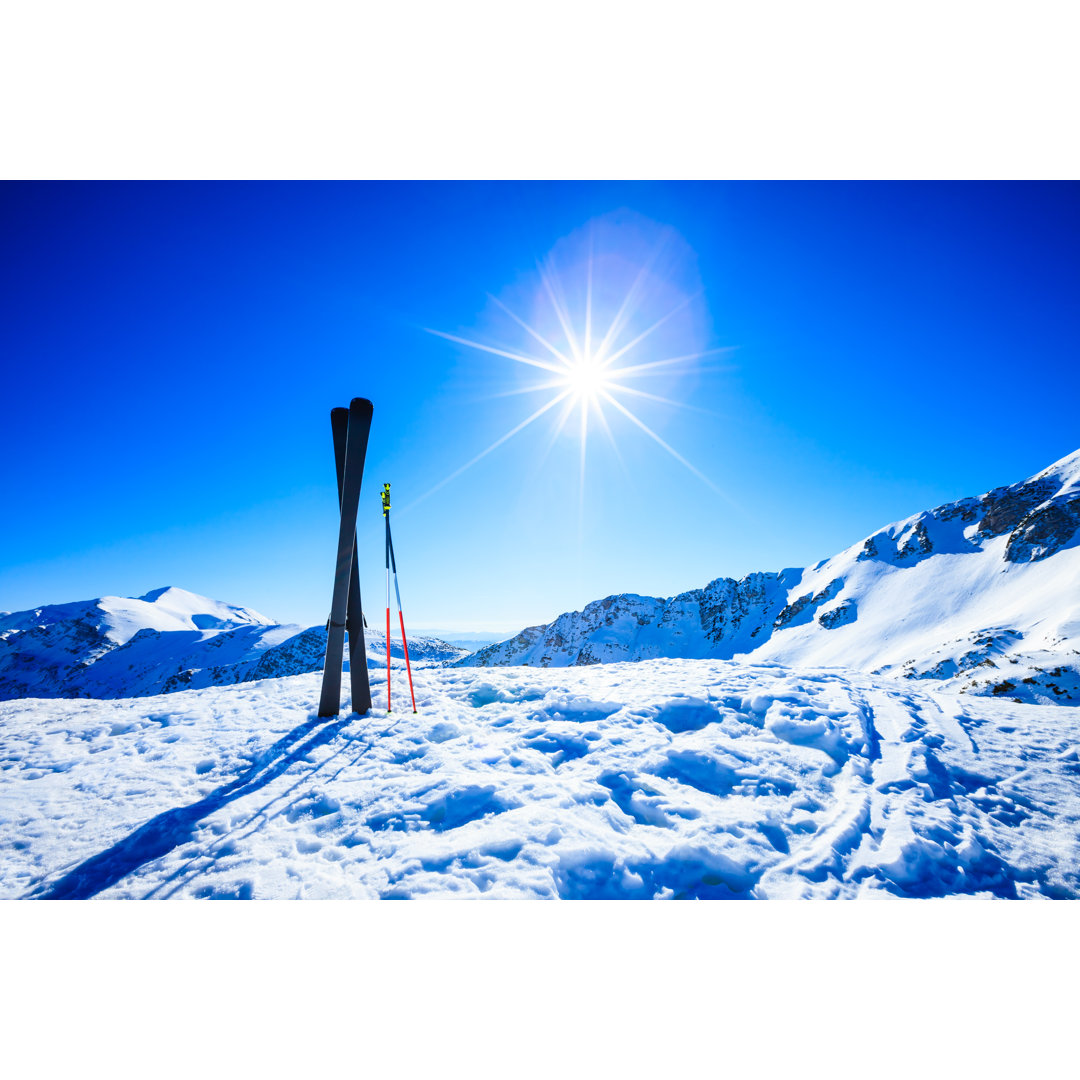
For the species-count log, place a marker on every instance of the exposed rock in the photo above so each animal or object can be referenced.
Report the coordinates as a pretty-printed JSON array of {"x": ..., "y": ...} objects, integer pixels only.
[
  {"x": 181, "y": 680},
  {"x": 1044, "y": 531},
  {"x": 521, "y": 642},
  {"x": 916, "y": 543},
  {"x": 793, "y": 611},
  {"x": 1006, "y": 507},
  {"x": 869, "y": 548},
  {"x": 301, "y": 653},
  {"x": 964, "y": 509},
  {"x": 729, "y": 609},
  {"x": 845, "y": 612},
  {"x": 807, "y": 605}
]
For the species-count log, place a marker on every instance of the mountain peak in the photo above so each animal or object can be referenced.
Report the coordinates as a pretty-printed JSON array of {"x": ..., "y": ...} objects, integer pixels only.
[
  {"x": 156, "y": 594},
  {"x": 1066, "y": 470},
  {"x": 199, "y": 611}
]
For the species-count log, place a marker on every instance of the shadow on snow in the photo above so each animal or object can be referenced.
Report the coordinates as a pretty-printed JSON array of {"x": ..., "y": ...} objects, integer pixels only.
[{"x": 172, "y": 828}]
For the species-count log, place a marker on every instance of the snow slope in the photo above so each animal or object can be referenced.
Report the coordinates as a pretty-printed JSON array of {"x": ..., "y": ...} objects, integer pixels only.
[
  {"x": 981, "y": 595},
  {"x": 169, "y": 639},
  {"x": 664, "y": 778}
]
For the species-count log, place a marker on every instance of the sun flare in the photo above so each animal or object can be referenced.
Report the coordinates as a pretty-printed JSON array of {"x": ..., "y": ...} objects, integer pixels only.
[{"x": 589, "y": 373}]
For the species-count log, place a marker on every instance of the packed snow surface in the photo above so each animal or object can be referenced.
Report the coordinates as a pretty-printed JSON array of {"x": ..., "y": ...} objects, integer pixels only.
[{"x": 654, "y": 779}]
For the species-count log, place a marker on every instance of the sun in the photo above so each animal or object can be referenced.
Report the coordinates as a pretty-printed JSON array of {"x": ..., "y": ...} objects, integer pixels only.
[
  {"x": 588, "y": 372},
  {"x": 585, "y": 378}
]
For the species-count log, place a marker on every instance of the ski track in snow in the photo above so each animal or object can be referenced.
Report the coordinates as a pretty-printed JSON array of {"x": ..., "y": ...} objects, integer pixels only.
[{"x": 656, "y": 779}]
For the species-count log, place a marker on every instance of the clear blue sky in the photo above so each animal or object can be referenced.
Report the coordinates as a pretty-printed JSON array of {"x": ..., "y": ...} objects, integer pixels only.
[{"x": 171, "y": 353}]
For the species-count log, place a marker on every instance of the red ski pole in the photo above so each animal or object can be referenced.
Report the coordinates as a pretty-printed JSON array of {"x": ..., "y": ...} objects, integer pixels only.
[
  {"x": 392, "y": 563},
  {"x": 408, "y": 667},
  {"x": 386, "y": 518}
]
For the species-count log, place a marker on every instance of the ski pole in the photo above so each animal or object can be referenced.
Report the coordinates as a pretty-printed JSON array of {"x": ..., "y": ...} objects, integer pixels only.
[
  {"x": 401, "y": 614},
  {"x": 386, "y": 518}
]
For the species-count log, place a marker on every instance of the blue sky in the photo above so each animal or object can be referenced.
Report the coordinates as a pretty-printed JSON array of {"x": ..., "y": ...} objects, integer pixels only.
[{"x": 171, "y": 353}]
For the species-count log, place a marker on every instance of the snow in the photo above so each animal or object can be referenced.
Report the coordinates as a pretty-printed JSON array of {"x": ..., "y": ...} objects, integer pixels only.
[{"x": 653, "y": 779}]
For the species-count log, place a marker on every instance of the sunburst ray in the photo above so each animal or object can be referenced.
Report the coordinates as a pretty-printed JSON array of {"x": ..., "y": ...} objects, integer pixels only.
[
  {"x": 555, "y": 384},
  {"x": 584, "y": 444},
  {"x": 560, "y": 312},
  {"x": 494, "y": 446},
  {"x": 645, "y": 333},
  {"x": 671, "y": 361},
  {"x": 521, "y": 322},
  {"x": 652, "y": 435},
  {"x": 667, "y": 401},
  {"x": 600, "y": 415},
  {"x": 557, "y": 430},
  {"x": 587, "y": 354},
  {"x": 631, "y": 296},
  {"x": 498, "y": 352}
]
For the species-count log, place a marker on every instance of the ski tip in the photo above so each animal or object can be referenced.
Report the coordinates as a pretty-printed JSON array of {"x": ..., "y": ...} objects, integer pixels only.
[{"x": 361, "y": 404}]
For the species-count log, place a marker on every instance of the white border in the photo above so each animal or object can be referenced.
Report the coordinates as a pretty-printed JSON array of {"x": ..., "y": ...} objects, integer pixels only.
[{"x": 583, "y": 89}]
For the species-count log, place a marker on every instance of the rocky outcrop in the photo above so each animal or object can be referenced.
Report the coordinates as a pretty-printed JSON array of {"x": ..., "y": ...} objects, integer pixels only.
[
  {"x": 802, "y": 610},
  {"x": 963, "y": 509},
  {"x": 302, "y": 653},
  {"x": 869, "y": 549},
  {"x": 732, "y": 610},
  {"x": 844, "y": 613},
  {"x": 1004, "y": 508},
  {"x": 1045, "y": 531},
  {"x": 916, "y": 543}
]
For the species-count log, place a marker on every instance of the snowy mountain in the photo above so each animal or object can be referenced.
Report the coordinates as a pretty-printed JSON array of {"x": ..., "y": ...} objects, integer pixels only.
[
  {"x": 981, "y": 595},
  {"x": 167, "y": 640}
]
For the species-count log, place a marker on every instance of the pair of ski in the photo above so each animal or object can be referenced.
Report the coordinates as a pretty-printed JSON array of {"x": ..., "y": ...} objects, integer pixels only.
[{"x": 351, "y": 428}]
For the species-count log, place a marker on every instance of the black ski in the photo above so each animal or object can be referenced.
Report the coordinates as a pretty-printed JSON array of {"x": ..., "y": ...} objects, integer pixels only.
[
  {"x": 358, "y": 429},
  {"x": 354, "y": 617}
]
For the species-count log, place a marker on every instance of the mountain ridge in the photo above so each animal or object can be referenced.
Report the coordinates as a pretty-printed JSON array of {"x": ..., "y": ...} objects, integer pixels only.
[
  {"x": 968, "y": 593},
  {"x": 166, "y": 640}
]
